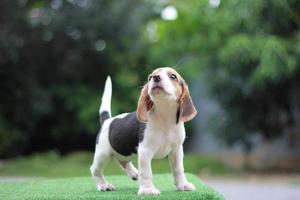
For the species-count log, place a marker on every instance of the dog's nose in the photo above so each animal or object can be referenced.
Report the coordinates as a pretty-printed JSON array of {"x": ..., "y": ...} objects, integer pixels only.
[{"x": 156, "y": 78}]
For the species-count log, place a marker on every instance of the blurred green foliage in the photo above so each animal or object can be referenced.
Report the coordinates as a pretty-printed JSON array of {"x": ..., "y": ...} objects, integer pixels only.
[
  {"x": 247, "y": 53},
  {"x": 55, "y": 55},
  {"x": 51, "y": 164}
]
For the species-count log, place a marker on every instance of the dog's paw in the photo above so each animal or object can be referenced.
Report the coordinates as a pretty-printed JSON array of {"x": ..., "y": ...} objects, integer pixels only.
[
  {"x": 186, "y": 187},
  {"x": 105, "y": 187},
  {"x": 148, "y": 191},
  {"x": 133, "y": 174}
]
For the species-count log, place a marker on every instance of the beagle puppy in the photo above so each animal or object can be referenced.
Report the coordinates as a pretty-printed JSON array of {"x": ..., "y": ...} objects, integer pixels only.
[{"x": 154, "y": 131}]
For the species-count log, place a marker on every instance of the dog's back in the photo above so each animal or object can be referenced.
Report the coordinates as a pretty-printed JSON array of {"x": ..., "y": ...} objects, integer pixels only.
[
  {"x": 125, "y": 134},
  {"x": 124, "y": 131}
]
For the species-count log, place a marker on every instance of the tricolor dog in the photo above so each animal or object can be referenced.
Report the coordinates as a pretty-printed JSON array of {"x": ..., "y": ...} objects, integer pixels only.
[{"x": 154, "y": 131}]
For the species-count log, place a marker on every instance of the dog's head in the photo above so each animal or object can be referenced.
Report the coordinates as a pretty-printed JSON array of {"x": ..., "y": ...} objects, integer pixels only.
[{"x": 166, "y": 84}]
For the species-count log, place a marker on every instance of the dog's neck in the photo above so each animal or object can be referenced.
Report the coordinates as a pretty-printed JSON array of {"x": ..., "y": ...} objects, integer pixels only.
[{"x": 164, "y": 113}]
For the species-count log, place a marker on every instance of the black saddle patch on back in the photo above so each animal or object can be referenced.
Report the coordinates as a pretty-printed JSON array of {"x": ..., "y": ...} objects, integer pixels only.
[{"x": 126, "y": 133}]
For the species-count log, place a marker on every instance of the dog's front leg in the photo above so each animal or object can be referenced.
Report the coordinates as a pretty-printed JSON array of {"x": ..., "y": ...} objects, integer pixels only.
[
  {"x": 176, "y": 162},
  {"x": 146, "y": 186}
]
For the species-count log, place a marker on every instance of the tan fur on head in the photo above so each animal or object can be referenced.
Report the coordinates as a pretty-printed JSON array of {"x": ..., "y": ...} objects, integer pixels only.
[
  {"x": 186, "y": 108},
  {"x": 144, "y": 105}
]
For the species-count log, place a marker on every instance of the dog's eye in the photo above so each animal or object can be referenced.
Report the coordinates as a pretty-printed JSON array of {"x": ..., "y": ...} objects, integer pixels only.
[
  {"x": 149, "y": 79},
  {"x": 173, "y": 77}
]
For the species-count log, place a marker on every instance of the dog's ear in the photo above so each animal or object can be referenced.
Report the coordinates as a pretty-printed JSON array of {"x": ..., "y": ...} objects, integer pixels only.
[
  {"x": 144, "y": 105},
  {"x": 187, "y": 110}
]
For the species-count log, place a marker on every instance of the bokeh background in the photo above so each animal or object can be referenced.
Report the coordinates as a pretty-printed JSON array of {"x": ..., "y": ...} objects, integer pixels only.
[{"x": 240, "y": 58}]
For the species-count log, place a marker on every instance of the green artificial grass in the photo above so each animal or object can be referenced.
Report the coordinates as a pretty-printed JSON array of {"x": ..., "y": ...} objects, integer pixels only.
[{"x": 84, "y": 188}]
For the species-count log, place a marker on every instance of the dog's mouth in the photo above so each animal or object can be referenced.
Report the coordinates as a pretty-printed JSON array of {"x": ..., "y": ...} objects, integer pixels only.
[{"x": 156, "y": 89}]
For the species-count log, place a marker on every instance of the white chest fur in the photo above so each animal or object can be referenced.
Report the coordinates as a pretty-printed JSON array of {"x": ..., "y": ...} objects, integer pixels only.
[{"x": 162, "y": 141}]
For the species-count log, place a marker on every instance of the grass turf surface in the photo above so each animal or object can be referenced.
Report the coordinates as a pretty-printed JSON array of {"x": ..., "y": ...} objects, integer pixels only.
[{"x": 84, "y": 188}]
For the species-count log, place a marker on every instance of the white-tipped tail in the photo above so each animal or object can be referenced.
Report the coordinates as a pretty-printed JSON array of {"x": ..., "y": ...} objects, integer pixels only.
[{"x": 106, "y": 97}]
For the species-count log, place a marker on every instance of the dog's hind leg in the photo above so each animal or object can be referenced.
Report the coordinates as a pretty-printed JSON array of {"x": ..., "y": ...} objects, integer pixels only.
[
  {"x": 129, "y": 168},
  {"x": 100, "y": 159}
]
